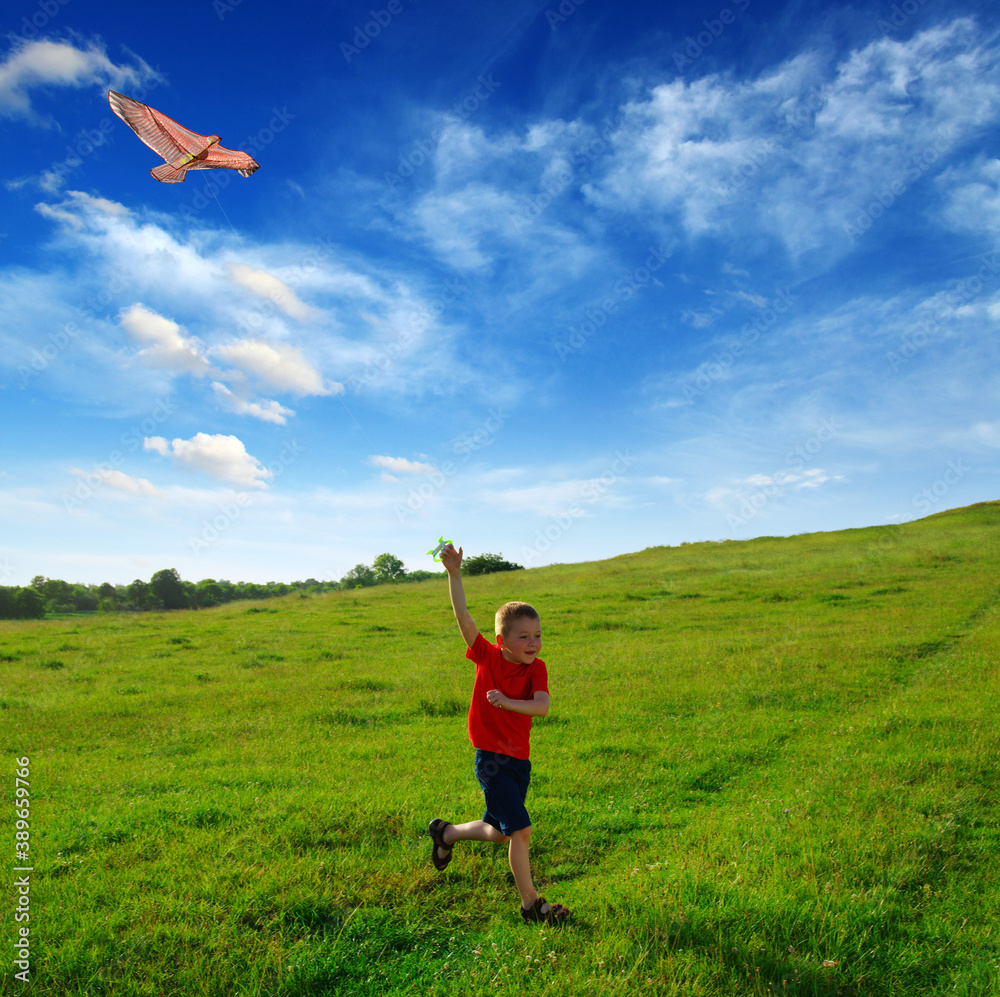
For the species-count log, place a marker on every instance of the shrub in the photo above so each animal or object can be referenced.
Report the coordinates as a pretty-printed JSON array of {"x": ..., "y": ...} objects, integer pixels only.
[{"x": 487, "y": 564}]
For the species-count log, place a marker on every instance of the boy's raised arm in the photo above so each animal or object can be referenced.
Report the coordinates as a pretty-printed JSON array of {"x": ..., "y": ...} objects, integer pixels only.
[{"x": 452, "y": 561}]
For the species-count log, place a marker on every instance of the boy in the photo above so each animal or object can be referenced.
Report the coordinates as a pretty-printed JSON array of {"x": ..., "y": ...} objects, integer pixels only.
[{"x": 511, "y": 687}]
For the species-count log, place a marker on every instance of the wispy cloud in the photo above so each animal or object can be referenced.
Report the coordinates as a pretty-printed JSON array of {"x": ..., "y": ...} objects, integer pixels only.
[
  {"x": 44, "y": 64},
  {"x": 972, "y": 199},
  {"x": 120, "y": 481},
  {"x": 400, "y": 465},
  {"x": 266, "y": 285},
  {"x": 266, "y": 410},
  {"x": 186, "y": 306},
  {"x": 800, "y": 151}
]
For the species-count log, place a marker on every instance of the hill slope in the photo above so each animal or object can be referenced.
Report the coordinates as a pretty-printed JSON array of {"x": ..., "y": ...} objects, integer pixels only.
[{"x": 770, "y": 767}]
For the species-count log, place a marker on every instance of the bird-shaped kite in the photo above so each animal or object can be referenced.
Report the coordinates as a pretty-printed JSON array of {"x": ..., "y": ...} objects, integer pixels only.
[{"x": 182, "y": 149}]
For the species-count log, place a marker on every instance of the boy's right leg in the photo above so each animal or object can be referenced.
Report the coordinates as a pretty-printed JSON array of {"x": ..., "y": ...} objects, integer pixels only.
[{"x": 445, "y": 835}]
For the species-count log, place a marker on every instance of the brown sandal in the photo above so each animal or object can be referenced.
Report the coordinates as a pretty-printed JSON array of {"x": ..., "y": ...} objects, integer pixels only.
[
  {"x": 556, "y": 913},
  {"x": 436, "y": 829}
]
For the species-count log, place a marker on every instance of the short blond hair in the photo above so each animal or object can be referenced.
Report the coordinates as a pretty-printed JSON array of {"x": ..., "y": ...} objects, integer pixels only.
[{"x": 509, "y": 612}]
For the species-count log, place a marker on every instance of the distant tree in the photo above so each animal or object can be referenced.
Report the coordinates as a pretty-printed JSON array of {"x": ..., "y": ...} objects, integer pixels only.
[
  {"x": 250, "y": 590},
  {"x": 420, "y": 575},
  {"x": 359, "y": 575},
  {"x": 310, "y": 585},
  {"x": 21, "y": 603},
  {"x": 85, "y": 598},
  {"x": 388, "y": 568},
  {"x": 30, "y": 604},
  {"x": 58, "y": 594},
  {"x": 207, "y": 592},
  {"x": 137, "y": 594},
  {"x": 106, "y": 591},
  {"x": 487, "y": 564},
  {"x": 168, "y": 589}
]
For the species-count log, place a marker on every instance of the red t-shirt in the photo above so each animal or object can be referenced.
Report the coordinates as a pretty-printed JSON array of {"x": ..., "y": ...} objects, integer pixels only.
[{"x": 493, "y": 729}]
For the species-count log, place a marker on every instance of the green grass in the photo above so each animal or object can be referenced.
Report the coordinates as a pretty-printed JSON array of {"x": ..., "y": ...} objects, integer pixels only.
[{"x": 770, "y": 768}]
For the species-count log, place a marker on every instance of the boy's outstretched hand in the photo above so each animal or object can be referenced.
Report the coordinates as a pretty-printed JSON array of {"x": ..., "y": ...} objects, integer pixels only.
[{"x": 451, "y": 558}]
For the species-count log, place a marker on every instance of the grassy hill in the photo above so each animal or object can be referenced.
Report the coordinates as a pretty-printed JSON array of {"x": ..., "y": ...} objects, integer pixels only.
[{"x": 770, "y": 768}]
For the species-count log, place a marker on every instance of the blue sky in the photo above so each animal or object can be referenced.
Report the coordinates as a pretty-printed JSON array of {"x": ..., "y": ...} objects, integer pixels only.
[{"x": 555, "y": 280}]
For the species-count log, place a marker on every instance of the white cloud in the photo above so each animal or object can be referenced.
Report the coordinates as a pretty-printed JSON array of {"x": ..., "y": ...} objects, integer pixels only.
[
  {"x": 379, "y": 328},
  {"x": 801, "y": 151},
  {"x": 756, "y": 490},
  {"x": 267, "y": 410},
  {"x": 556, "y": 498},
  {"x": 508, "y": 189},
  {"x": 458, "y": 223},
  {"x": 277, "y": 365},
  {"x": 973, "y": 202},
  {"x": 266, "y": 285},
  {"x": 120, "y": 481},
  {"x": 988, "y": 433},
  {"x": 700, "y": 320},
  {"x": 79, "y": 208},
  {"x": 42, "y": 63},
  {"x": 222, "y": 457},
  {"x": 758, "y": 301},
  {"x": 816, "y": 477},
  {"x": 400, "y": 465},
  {"x": 166, "y": 345}
]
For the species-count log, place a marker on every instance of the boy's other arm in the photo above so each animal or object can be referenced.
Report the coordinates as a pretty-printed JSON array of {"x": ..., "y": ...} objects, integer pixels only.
[
  {"x": 452, "y": 561},
  {"x": 537, "y": 706}
]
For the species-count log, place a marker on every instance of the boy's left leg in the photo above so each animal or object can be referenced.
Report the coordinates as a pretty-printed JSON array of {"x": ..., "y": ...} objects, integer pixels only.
[{"x": 520, "y": 866}]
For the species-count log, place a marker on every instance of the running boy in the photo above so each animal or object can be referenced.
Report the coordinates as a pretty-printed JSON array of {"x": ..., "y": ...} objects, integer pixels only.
[{"x": 511, "y": 687}]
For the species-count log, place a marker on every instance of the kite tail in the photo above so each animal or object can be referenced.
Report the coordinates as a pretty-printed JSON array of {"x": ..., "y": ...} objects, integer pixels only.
[{"x": 169, "y": 174}]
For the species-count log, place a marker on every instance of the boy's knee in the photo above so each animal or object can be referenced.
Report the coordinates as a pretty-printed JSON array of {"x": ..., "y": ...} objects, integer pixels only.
[{"x": 523, "y": 834}]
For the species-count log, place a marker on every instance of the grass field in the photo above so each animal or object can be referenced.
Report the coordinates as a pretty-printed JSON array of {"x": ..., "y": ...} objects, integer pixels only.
[{"x": 770, "y": 768}]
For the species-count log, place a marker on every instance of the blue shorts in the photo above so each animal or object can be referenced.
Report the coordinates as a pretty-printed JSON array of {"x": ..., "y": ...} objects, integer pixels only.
[{"x": 505, "y": 784}]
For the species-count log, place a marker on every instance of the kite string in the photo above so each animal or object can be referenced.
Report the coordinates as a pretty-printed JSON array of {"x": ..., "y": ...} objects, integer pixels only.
[
  {"x": 215, "y": 194},
  {"x": 340, "y": 395}
]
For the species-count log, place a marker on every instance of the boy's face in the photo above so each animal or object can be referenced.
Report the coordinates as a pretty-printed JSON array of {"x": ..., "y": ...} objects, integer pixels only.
[{"x": 523, "y": 640}]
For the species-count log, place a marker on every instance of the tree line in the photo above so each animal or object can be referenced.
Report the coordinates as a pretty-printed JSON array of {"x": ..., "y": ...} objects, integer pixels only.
[{"x": 167, "y": 590}]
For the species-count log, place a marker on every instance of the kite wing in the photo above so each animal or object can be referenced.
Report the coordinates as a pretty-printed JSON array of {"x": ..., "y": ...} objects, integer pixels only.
[
  {"x": 181, "y": 148},
  {"x": 162, "y": 134},
  {"x": 220, "y": 158}
]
